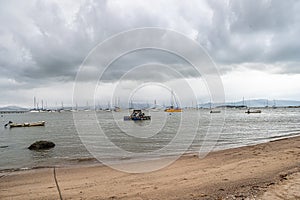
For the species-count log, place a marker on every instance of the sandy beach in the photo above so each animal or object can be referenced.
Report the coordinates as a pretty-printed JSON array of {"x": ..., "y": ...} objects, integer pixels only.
[{"x": 264, "y": 171}]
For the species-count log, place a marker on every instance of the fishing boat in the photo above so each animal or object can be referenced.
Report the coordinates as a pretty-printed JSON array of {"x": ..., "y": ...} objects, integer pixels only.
[
  {"x": 26, "y": 124},
  {"x": 252, "y": 111},
  {"x": 172, "y": 108},
  {"x": 137, "y": 115}
]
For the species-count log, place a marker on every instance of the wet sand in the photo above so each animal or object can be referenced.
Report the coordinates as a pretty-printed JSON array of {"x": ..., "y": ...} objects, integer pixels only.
[{"x": 264, "y": 171}]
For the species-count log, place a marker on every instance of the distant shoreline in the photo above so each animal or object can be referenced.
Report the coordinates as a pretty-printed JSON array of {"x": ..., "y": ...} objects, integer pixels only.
[{"x": 5, "y": 110}]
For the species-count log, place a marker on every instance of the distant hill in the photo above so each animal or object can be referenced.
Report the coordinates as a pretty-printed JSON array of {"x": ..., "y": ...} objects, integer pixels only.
[
  {"x": 255, "y": 103},
  {"x": 12, "y": 108},
  {"x": 249, "y": 103}
]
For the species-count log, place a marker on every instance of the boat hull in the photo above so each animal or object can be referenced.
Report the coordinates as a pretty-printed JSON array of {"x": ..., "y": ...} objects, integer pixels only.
[
  {"x": 253, "y": 111},
  {"x": 215, "y": 111},
  {"x": 15, "y": 125},
  {"x": 173, "y": 110},
  {"x": 128, "y": 118}
]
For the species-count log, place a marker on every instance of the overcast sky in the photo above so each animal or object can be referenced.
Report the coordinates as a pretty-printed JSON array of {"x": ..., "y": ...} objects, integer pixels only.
[{"x": 254, "y": 43}]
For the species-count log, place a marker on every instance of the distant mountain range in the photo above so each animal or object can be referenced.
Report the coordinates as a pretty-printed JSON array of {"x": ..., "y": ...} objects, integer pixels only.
[
  {"x": 13, "y": 108},
  {"x": 254, "y": 103},
  {"x": 249, "y": 103}
]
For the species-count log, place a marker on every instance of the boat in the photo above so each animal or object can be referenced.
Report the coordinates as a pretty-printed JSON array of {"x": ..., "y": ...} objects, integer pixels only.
[
  {"x": 108, "y": 109},
  {"x": 117, "y": 109},
  {"x": 252, "y": 111},
  {"x": 154, "y": 108},
  {"x": 137, "y": 115},
  {"x": 172, "y": 109},
  {"x": 215, "y": 111},
  {"x": 26, "y": 124},
  {"x": 211, "y": 110}
]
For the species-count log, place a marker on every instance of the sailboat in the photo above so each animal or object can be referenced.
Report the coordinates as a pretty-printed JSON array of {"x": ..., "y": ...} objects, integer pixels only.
[
  {"x": 252, "y": 111},
  {"x": 211, "y": 110},
  {"x": 108, "y": 109},
  {"x": 117, "y": 107},
  {"x": 34, "y": 110},
  {"x": 274, "y": 104},
  {"x": 172, "y": 108},
  {"x": 154, "y": 109}
]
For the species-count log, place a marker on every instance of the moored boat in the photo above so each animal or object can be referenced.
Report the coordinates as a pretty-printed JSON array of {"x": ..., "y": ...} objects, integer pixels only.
[
  {"x": 172, "y": 109},
  {"x": 252, "y": 111},
  {"x": 137, "y": 115},
  {"x": 215, "y": 111},
  {"x": 26, "y": 124}
]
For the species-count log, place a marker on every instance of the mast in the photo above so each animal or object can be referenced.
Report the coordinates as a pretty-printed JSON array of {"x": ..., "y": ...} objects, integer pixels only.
[
  {"x": 172, "y": 100},
  {"x": 87, "y": 105},
  {"x": 34, "y": 103}
]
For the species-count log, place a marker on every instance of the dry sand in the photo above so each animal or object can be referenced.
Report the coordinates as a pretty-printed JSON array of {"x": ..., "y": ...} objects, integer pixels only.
[{"x": 264, "y": 171}]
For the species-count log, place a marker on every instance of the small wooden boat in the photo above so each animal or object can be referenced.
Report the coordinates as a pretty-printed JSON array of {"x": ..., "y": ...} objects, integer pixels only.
[
  {"x": 137, "y": 115},
  {"x": 252, "y": 111},
  {"x": 13, "y": 125}
]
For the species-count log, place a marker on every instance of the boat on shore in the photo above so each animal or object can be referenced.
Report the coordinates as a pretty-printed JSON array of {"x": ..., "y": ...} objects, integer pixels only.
[
  {"x": 137, "y": 115},
  {"x": 26, "y": 124}
]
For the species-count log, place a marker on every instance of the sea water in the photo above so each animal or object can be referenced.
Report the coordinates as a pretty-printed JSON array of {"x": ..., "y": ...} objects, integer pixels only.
[{"x": 106, "y": 135}]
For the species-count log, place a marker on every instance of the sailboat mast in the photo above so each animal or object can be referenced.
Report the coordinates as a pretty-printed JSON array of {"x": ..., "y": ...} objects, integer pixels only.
[
  {"x": 34, "y": 102},
  {"x": 172, "y": 100}
]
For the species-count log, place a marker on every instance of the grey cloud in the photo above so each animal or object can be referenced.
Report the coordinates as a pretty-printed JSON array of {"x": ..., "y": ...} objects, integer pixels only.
[
  {"x": 39, "y": 45},
  {"x": 254, "y": 31}
]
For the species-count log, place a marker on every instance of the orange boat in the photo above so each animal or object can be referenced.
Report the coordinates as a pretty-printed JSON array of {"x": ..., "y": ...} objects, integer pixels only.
[{"x": 172, "y": 109}]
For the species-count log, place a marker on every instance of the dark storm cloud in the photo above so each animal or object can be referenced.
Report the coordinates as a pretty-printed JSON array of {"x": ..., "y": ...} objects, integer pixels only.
[
  {"x": 39, "y": 44},
  {"x": 254, "y": 31}
]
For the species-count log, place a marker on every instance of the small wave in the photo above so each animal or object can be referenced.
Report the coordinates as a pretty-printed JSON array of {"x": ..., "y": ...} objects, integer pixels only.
[{"x": 86, "y": 159}]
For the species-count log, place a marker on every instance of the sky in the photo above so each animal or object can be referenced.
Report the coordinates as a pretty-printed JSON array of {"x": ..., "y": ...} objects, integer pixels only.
[{"x": 253, "y": 43}]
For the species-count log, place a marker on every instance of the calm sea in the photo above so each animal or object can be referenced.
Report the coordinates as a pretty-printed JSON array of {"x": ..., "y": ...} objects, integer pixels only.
[{"x": 156, "y": 138}]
